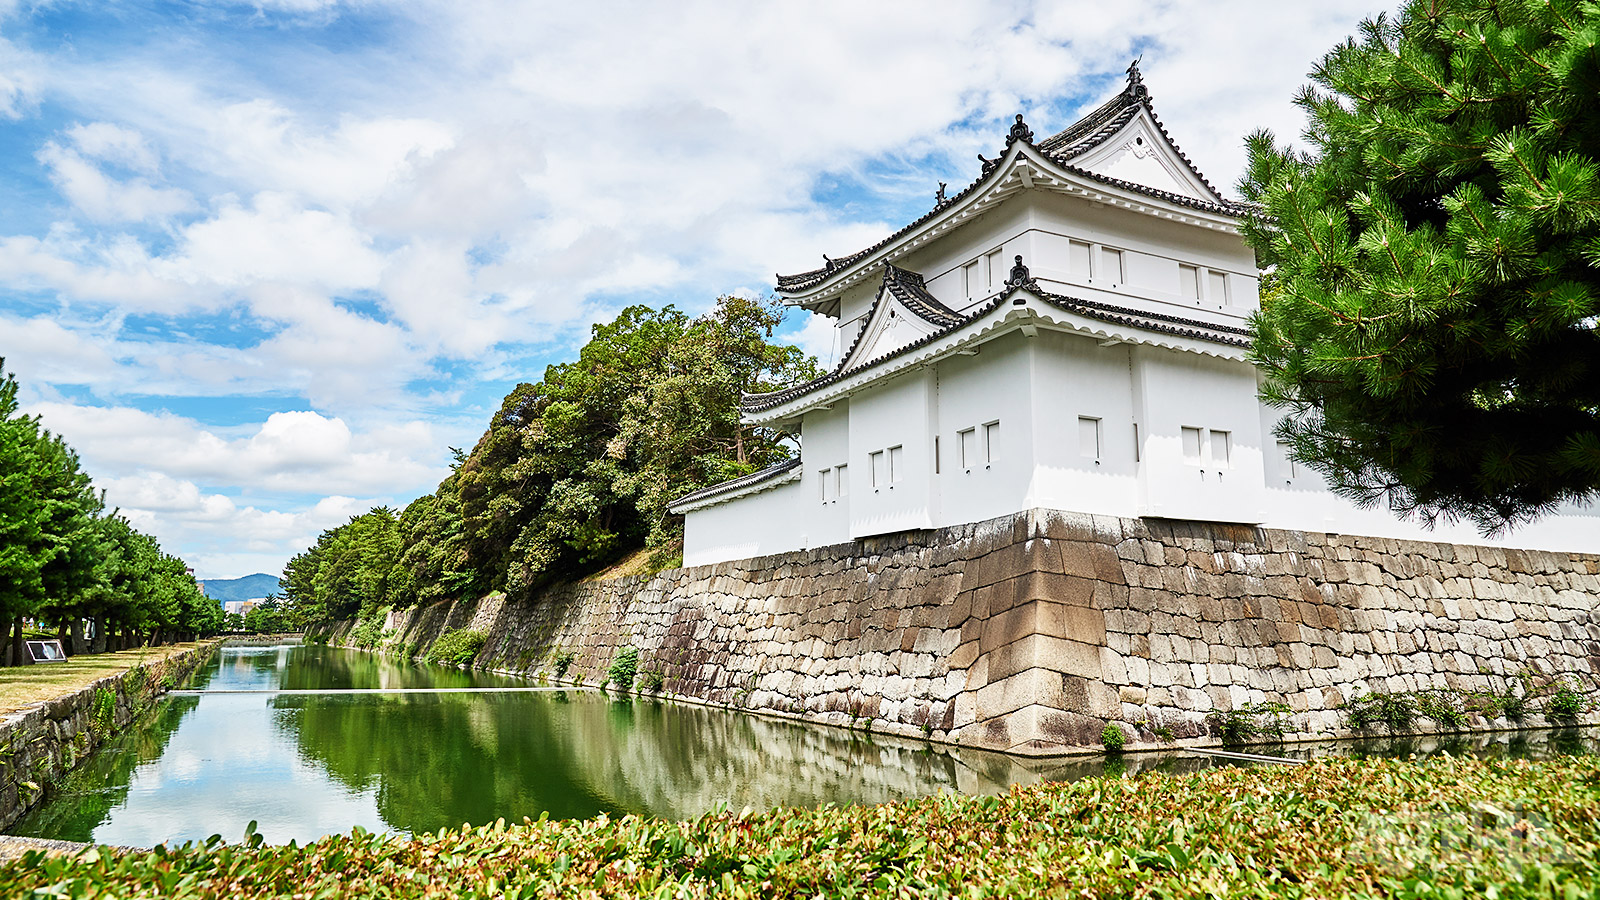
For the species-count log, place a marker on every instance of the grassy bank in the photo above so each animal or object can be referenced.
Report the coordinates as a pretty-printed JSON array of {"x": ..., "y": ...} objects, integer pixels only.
[
  {"x": 24, "y": 685},
  {"x": 1358, "y": 828}
]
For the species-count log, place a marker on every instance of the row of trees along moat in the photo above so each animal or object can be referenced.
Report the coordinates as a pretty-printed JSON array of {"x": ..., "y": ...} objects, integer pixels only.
[
  {"x": 574, "y": 472},
  {"x": 66, "y": 559}
]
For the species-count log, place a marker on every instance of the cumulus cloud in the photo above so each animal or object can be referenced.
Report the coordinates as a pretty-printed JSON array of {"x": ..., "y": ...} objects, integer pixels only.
[{"x": 298, "y": 452}]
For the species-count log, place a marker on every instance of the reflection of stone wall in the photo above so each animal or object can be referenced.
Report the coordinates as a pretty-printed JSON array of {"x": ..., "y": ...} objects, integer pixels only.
[
  {"x": 42, "y": 743},
  {"x": 1028, "y": 633}
]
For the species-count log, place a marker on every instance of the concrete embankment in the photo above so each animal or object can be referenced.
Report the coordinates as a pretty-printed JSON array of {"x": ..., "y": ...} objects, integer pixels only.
[
  {"x": 42, "y": 743},
  {"x": 1030, "y": 633}
]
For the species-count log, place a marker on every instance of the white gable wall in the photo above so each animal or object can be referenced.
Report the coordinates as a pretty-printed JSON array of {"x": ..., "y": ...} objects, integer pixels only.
[{"x": 1138, "y": 153}]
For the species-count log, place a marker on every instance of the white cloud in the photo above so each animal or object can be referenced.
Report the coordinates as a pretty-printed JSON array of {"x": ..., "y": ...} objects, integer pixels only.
[
  {"x": 295, "y": 452},
  {"x": 102, "y": 198},
  {"x": 495, "y": 176}
]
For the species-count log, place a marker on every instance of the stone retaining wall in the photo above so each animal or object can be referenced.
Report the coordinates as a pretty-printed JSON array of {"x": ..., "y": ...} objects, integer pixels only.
[
  {"x": 42, "y": 743},
  {"x": 1030, "y": 633}
]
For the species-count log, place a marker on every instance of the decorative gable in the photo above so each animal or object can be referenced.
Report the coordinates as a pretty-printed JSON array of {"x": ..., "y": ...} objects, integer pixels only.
[
  {"x": 1141, "y": 154},
  {"x": 903, "y": 313}
]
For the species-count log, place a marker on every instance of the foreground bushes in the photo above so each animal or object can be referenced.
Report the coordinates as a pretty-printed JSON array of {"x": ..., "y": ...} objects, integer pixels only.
[{"x": 1358, "y": 828}]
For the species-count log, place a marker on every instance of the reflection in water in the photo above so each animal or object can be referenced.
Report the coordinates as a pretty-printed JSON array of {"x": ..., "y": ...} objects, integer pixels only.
[{"x": 307, "y": 765}]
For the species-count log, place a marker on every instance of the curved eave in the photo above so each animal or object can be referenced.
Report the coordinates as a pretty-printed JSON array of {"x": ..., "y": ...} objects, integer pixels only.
[
  {"x": 743, "y": 486},
  {"x": 1024, "y": 167},
  {"x": 1007, "y": 312}
]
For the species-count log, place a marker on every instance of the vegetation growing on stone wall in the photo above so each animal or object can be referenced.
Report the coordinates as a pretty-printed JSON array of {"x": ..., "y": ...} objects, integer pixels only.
[
  {"x": 623, "y": 667},
  {"x": 369, "y": 632},
  {"x": 575, "y": 471},
  {"x": 1565, "y": 704},
  {"x": 651, "y": 680},
  {"x": 1443, "y": 827},
  {"x": 1394, "y": 712},
  {"x": 1113, "y": 738},
  {"x": 1251, "y": 723},
  {"x": 561, "y": 661},
  {"x": 1448, "y": 709},
  {"x": 457, "y": 647}
]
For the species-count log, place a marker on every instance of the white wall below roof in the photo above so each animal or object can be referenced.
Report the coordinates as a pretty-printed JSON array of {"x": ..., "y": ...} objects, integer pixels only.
[
  {"x": 996, "y": 386},
  {"x": 758, "y": 524},
  {"x": 1037, "y": 388}
]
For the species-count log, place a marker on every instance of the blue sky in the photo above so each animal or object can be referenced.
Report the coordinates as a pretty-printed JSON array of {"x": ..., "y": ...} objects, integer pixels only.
[{"x": 263, "y": 263}]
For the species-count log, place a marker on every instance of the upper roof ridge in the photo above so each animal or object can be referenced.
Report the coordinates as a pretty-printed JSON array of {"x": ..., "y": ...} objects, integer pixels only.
[{"x": 1062, "y": 147}]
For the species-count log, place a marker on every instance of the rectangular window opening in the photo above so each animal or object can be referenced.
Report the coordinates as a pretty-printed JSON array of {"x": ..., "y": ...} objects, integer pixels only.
[
  {"x": 1221, "y": 449},
  {"x": 842, "y": 488},
  {"x": 991, "y": 442},
  {"x": 1219, "y": 287},
  {"x": 1111, "y": 262},
  {"x": 1137, "y": 450},
  {"x": 971, "y": 280},
  {"x": 1089, "y": 438},
  {"x": 875, "y": 471},
  {"x": 1078, "y": 259},
  {"x": 1288, "y": 460},
  {"x": 1191, "y": 445},
  {"x": 997, "y": 270},
  {"x": 1189, "y": 282},
  {"x": 825, "y": 481},
  {"x": 897, "y": 464},
  {"x": 967, "y": 447},
  {"x": 936, "y": 454}
]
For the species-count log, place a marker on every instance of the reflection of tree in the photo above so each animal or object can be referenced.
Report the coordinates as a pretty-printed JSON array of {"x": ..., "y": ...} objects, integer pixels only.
[
  {"x": 441, "y": 760},
  {"x": 85, "y": 799}
]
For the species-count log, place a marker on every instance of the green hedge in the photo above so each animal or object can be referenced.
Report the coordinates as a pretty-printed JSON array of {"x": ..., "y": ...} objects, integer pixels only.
[{"x": 1337, "y": 828}]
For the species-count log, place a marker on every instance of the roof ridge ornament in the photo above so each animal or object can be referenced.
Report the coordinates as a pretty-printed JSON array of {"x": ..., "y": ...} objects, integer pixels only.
[
  {"x": 988, "y": 164},
  {"x": 1020, "y": 276},
  {"x": 1019, "y": 132},
  {"x": 1136, "y": 86},
  {"x": 940, "y": 199}
]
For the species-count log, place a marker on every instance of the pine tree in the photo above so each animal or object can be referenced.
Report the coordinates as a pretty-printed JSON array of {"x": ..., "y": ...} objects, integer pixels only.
[{"x": 1429, "y": 320}]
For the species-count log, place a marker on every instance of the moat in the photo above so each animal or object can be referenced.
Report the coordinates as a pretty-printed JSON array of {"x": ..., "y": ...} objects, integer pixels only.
[{"x": 306, "y": 765}]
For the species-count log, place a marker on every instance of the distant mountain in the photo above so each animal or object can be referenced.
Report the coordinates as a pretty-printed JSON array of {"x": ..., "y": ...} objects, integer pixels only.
[{"x": 250, "y": 587}]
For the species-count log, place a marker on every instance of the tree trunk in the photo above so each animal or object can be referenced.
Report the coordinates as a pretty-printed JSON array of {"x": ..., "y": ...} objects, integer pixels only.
[
  {"x": 19, "y": 653},
  {"x": 74, "y": 643},
  {"x": 98, "y": 643},
  {"x": 738, "y": 443}
]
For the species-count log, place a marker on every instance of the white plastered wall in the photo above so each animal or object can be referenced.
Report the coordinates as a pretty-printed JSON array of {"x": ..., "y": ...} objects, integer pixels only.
[
  {"x": 995, "y": 386},
  {"x": 753, "y": 525},
  {"x": 1083, "y": 419}
]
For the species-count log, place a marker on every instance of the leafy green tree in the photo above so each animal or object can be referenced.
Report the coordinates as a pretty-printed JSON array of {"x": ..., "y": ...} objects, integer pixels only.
[
  {"x": 1430, "y": 319},
  {"x": 576, "y": 471},
  {"x": 25, "y": 545}
]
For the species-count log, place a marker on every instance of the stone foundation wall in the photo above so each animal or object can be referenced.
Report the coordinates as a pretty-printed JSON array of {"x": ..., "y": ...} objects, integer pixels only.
[
  {"x": 42, "y": 743},
  {"x": 1030, "y": 633}
]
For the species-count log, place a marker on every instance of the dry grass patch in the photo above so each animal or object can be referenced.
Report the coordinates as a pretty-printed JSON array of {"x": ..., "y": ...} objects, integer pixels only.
[{"x": 25, "y": 685}]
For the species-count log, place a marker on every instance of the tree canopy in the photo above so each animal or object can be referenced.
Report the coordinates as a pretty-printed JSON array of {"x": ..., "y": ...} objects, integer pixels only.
[
  {"x": 1429, "y": 317},
  {"x": 64, "y": 558},
  {"x": 574, "y": 472}
]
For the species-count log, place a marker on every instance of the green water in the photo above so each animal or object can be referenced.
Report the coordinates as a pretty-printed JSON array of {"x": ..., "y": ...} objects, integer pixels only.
[
  {"x": 305, "y": 766},
  {"x": 308, "y": 765}
]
